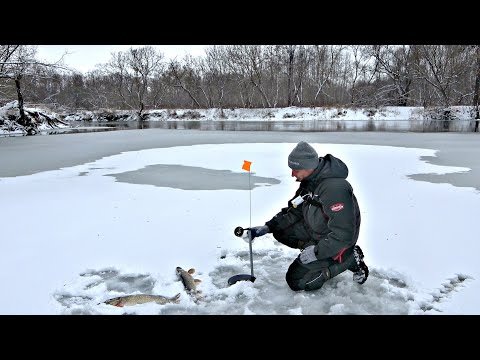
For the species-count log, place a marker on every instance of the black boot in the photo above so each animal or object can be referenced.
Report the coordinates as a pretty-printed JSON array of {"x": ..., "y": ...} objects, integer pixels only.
[
  {"x": 360, "y": 270},
  {"x": 338, "y": 268}
]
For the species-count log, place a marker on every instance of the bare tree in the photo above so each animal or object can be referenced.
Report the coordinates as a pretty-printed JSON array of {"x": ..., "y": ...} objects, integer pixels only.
[
  {"x": 273, "y": 74},
  {"x": 290, "y": 50},
  {"x": 326, "y": 59},
  {"x": 215, "y": 68},
  {"x": 178, "y": 74},
  {"x": 132, "y": 72},
  {"x": 395, "y": 63},
  {"x": 239, "y": 75},
  {"x": 362, "y": 71},
  {"x": 302, "y": 62},
  {"x": 144, "y": 63},
  {"x": 100, "y": 90},
  {"x": 441, "y": 67},
  {"x": 117, "y": 70},
  {"x": 477, "y": 87},
  {"x": 199, "y": 78},
  {"x": 16, "y": 62},
  {"x": 249, "y": 60}
]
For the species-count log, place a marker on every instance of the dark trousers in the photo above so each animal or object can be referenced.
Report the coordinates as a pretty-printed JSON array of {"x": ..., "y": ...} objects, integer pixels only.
[{"x": 313, "y": 275}]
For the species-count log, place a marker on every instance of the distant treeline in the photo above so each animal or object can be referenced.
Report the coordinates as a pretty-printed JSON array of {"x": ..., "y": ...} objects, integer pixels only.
[{"x": 251, "y": 76}]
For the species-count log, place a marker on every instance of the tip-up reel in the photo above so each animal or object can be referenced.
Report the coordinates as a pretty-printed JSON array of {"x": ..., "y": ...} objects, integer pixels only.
[{"x": 246, "y": 235}]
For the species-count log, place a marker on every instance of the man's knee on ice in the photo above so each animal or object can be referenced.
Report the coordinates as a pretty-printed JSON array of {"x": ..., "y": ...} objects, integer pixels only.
[{"x": 306, "y": 277}]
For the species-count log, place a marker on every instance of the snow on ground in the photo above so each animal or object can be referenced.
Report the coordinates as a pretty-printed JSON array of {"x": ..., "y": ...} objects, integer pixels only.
[{"x": 91, "y": 235}]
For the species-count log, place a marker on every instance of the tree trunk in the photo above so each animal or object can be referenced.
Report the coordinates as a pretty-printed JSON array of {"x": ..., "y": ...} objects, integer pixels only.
[
  {"x": 140, "y": 116},
  {"x": 23, "y": 119},
  {"x": 291, "y": 55},
  {"x": 477, "y": 90}
]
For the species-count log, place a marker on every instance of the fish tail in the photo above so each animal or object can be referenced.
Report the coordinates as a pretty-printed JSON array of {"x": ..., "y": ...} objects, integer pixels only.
[{"x": 176, "y": 298}]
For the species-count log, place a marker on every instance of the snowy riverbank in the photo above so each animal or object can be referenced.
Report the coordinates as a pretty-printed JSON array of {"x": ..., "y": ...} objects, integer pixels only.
[{"x": 459, "y": 118}]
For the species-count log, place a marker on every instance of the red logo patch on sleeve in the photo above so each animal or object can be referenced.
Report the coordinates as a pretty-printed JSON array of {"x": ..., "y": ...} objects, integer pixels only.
[{"x": 336, "y": 207}]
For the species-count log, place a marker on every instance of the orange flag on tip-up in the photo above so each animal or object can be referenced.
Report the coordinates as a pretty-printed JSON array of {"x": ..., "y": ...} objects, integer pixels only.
[{"x": 246, "y": 165}]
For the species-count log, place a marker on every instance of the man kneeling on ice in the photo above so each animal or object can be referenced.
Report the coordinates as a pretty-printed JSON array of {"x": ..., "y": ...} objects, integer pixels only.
[{"x": 322, "y": 219}]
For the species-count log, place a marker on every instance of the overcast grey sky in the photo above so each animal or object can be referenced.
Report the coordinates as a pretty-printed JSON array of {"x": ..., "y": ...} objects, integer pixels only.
[{"x": 85, "y": 57}]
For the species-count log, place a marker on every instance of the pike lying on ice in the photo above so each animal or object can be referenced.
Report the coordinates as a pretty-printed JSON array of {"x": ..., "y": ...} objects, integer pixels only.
[
  {"x": 189, "y": 282},
  {"x": 130, "y": 300}
]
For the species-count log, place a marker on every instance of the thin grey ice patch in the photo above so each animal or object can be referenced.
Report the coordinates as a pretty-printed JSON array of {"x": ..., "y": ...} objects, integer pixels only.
[
  {"x": 180, "y": 177},
  {"x": 440, "y": 174},
  {"x": 219, "y": 169}
]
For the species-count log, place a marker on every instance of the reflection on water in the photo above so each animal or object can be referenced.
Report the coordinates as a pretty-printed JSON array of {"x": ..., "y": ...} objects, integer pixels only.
[
  {"x": 277, "y": 125},
  {"x": 92, "y": 126},
  {"x": 231, "y": 125},
  {"x": 76, "y": 130}
]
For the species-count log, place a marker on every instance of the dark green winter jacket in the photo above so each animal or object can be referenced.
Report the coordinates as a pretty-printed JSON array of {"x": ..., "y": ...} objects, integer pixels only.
[{"x": 329, "y": 218}]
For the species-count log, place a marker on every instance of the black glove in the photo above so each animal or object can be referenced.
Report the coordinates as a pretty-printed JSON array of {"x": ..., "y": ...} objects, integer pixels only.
[
  {"x": 259, "y": 231},
  {"x": 308, "y": 255}
]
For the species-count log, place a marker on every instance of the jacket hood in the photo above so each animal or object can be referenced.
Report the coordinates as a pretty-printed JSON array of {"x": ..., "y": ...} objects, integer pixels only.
[{"x": 328, "y": 167}]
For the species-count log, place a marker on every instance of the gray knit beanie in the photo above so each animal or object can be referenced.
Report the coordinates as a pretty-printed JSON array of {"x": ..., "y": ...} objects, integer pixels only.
[{"x": 303, "y": 156}]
